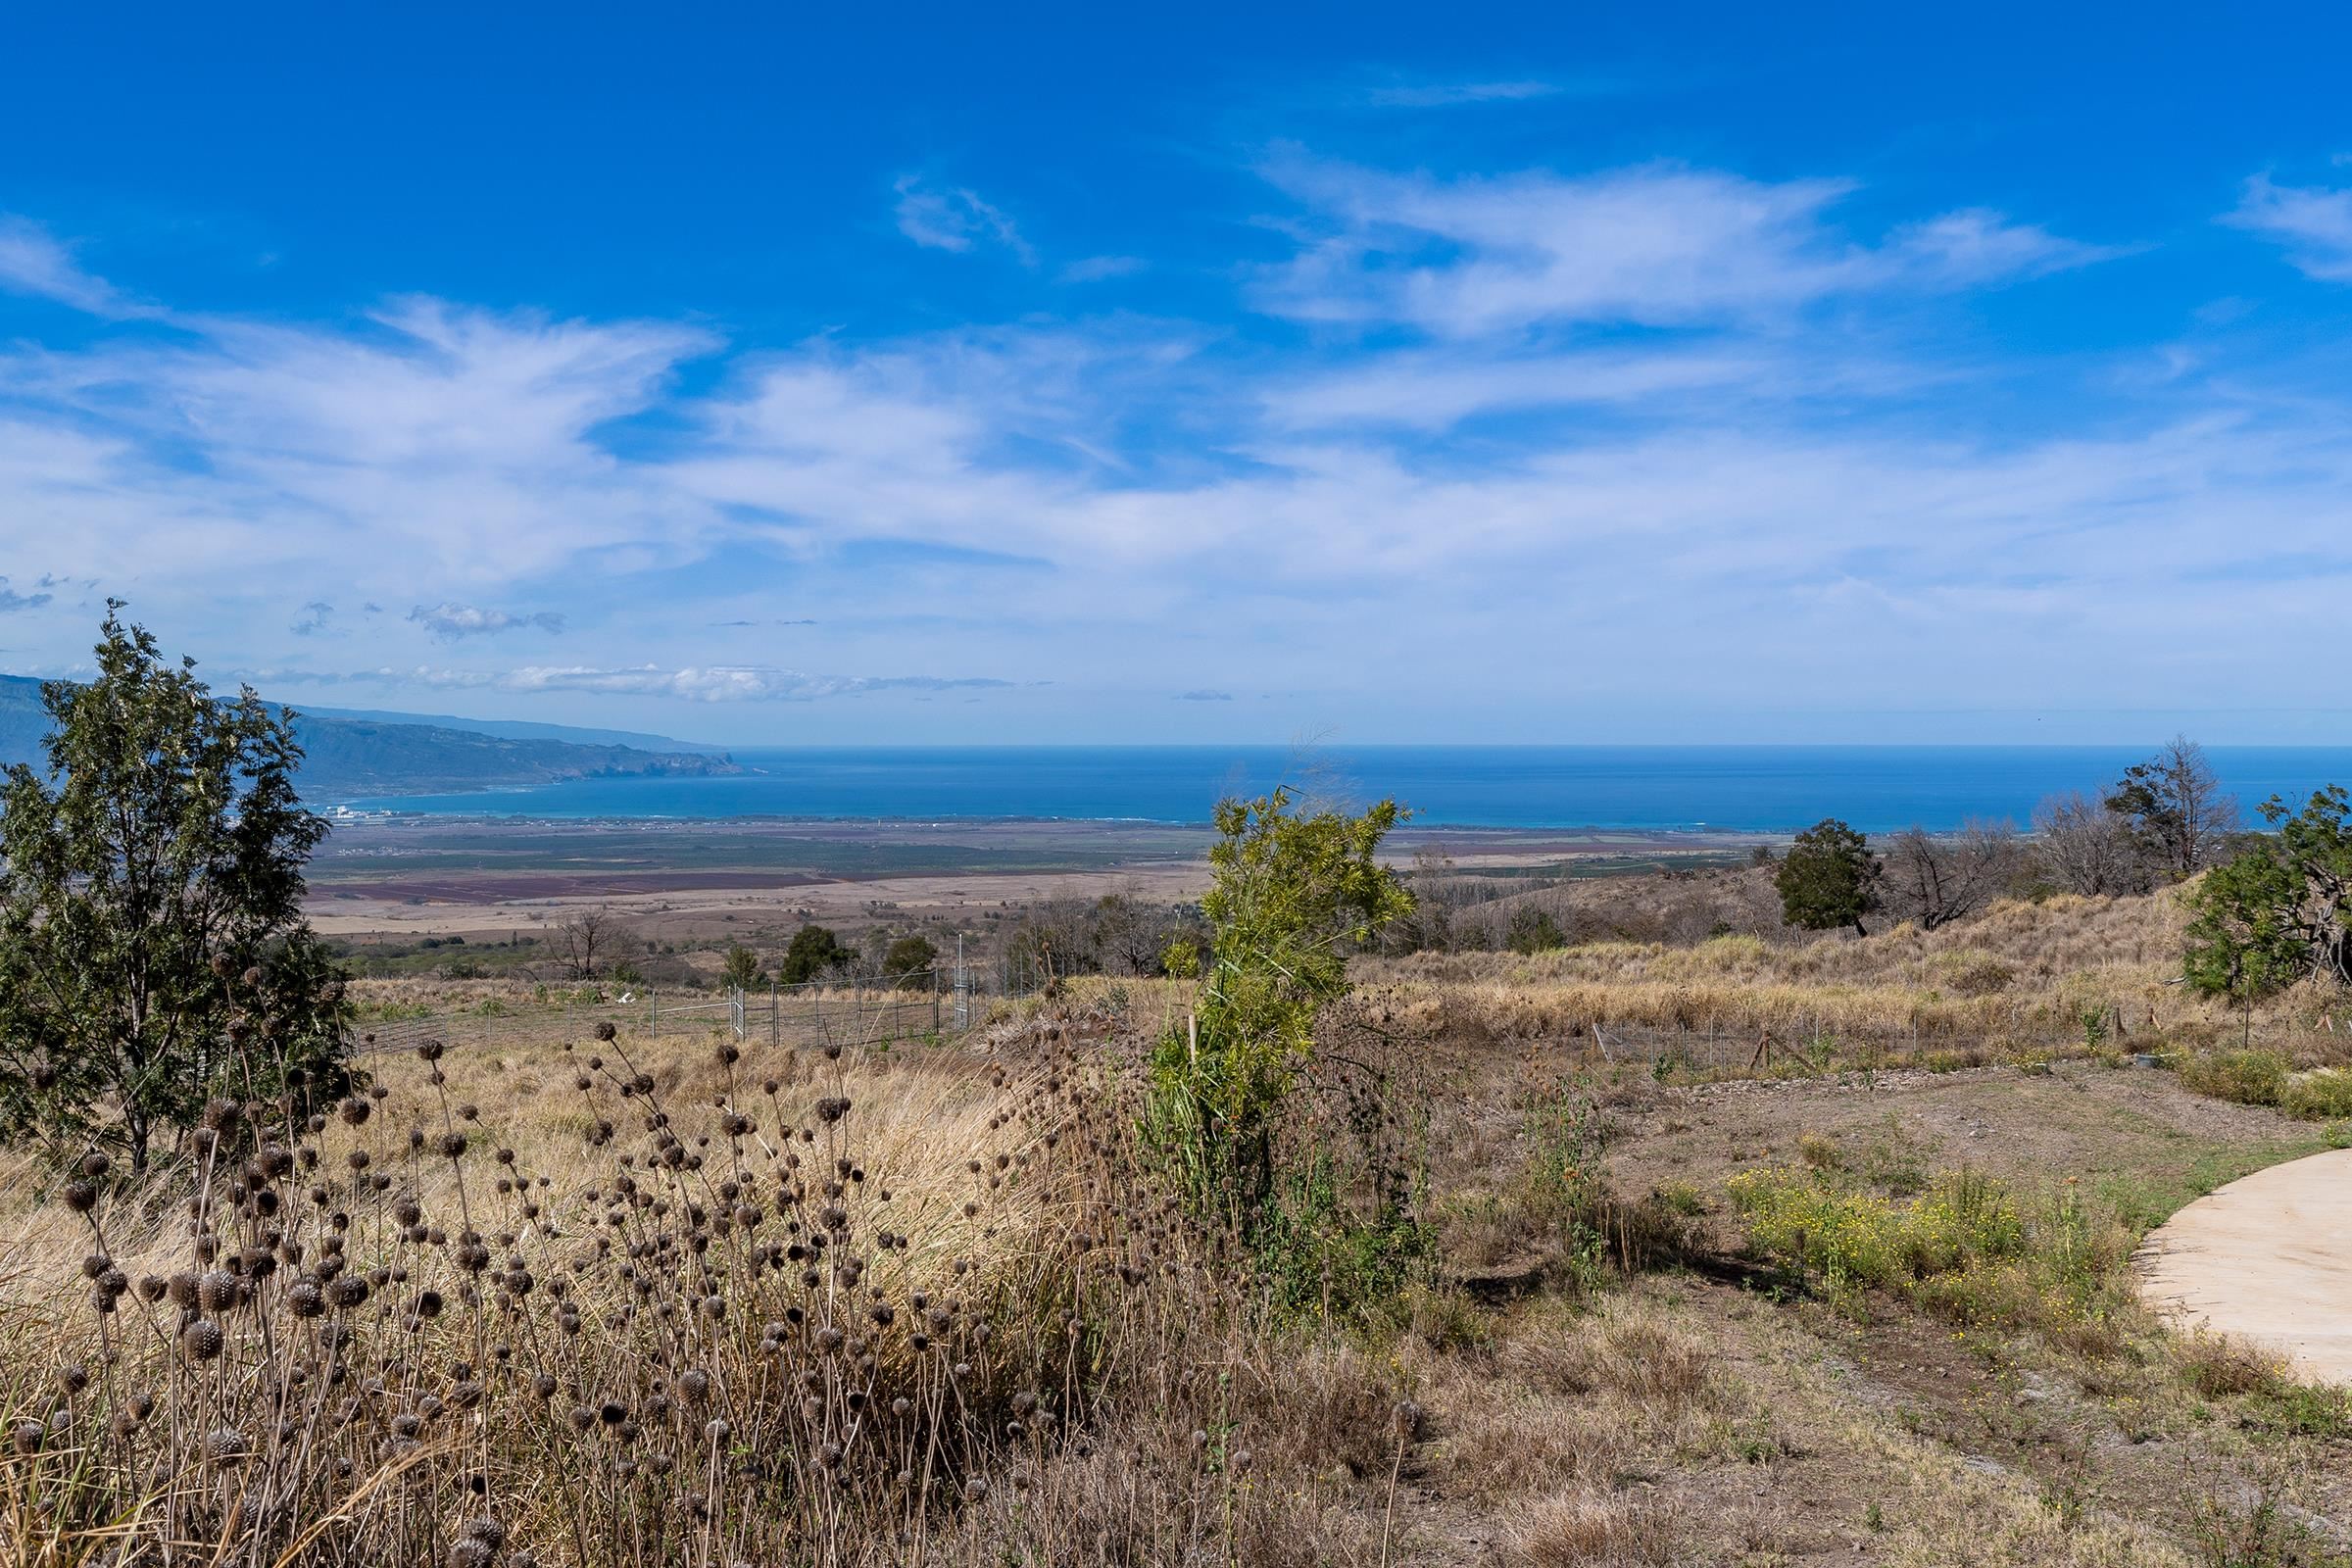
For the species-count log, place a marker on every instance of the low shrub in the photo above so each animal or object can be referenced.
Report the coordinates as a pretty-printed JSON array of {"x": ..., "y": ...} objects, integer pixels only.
[
  {"x": 2217, "y": 1367},
  {"x": 2321, "y": 1096},
  {"x": 1857, "y": 1239},
  {"x": 1968, "y": 1250},
  {"x": 2250, "y": 1077},
  {"x": 1681, "y": 1200},
  {"x": 1560, "y": 1217}
]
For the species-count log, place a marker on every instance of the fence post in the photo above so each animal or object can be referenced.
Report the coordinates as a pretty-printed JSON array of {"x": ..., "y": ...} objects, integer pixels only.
[
  {"x": 652, "y": 1012},
  {"x": 775, "y": 1015}
]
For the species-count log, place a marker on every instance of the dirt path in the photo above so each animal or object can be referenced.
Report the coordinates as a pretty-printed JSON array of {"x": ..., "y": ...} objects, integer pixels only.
[{"x": 2268, "y": 1259}]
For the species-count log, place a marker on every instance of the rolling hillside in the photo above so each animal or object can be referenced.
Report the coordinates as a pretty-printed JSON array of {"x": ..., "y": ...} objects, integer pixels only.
[{"x": 357, "y": 757}]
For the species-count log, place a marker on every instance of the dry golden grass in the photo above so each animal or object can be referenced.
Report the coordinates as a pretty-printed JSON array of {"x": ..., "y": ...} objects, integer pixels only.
[
  {"x": 1565, "y": 1398},
  {"x": 692, "y": 1240},
  {"x": 1594, "y": 1530},
  {"x": 919, "y": 1120},
  {"x": 1934, "y": 1508},
  {"x": 2018, "y": 975},
  {"x": 601, "y": 1309},
  {"x": 1619, "y": 1351}
]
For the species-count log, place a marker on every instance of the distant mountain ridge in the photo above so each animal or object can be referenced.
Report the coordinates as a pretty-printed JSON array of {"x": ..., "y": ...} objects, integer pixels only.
[
  {"x": 356, "y": 754},
  {"x": 518, "y": 729}
]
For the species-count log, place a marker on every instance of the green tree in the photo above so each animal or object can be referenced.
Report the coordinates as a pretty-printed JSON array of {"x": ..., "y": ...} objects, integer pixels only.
[
  {"x": 813, "y": 950},
  {"x": 2280, "y": 910},
  {"x": 742, "y": 971},
  {"x": 909, "y": 960},
  {"x": 1290, "y": 897},
  {"x": 1535, "y": 931},
  {"x": 2174, "y": 810},
  {"x": 1829, "y": 878},
  {"x": 153, "y": 953}
]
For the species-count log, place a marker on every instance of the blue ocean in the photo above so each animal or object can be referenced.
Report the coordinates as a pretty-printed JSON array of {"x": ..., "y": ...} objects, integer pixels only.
[{"x": 1740, "y": 788}]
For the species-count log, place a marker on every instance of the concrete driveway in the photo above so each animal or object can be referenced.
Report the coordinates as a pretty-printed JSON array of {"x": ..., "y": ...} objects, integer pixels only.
[{"x": 2268, "y": 1260}]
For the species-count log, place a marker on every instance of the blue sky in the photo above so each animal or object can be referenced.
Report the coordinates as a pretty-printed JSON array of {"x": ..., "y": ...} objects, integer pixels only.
[{"x": 1109, "y": 375}]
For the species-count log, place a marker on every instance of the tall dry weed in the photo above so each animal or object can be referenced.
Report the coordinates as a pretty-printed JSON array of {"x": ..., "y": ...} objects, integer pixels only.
[{"x": 798, "y": 1310}]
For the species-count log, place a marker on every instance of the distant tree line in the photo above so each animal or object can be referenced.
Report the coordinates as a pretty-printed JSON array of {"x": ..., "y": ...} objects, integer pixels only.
[
  {"x": 1117, "y": 933},
  {"x": 594, "y": 944},
  {"x": 2164, "y": 821}
]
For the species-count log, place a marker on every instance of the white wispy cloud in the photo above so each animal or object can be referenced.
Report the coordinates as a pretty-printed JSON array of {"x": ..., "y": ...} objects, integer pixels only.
[
  {"x": 439, "y": 446},
  {"x": 451, "y": 621},
  {"x": 34, "y": 261},
  {"x": 1656, "y": 245},
  {"x": 956, "y": 219},
  {"x": 2312, "y": 223},
  {"x": 1096, "y": 269},
  {"x": 1978, "y": 245},
  {"x": 1433, "y": 389},
  {"x": 711, "y": 683},
  {"x": 1672, "y": 459},
  {"x": 1448, "y": 94}
]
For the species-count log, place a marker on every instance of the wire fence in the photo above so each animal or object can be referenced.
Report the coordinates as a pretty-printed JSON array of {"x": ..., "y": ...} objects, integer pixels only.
[
  {"x": 928, "y": 1003},
  {"x": 1749, "y": 1046}
]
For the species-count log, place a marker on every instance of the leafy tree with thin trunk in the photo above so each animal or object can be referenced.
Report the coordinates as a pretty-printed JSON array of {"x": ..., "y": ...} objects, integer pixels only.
[
  {"x": 2278, "y": 911},
  {"x": 1829, "y": 878},
  {"x": 741, "y": 970},
  {"x": 153, "y": 952},
  {"x": 1291, "y": 895},
  {"x": 909, "y": 960},
  {"x": 813, "y": 950}
]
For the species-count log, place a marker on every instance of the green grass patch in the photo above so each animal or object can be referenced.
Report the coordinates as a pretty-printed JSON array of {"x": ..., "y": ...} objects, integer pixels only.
[
  {"x": 2255, "y": 1077},
  {"x": 2321, "y": 1096},
  {"x": 1972, "y": 1249},
  {"x": 2144, "y": 1198},
  {"x": 2303, "y": 1409}
]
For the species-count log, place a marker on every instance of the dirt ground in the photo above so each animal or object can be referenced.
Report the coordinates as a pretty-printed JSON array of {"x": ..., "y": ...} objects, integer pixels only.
[
  {"x": 2079, "y": 1120},
  {"x": 2074, "y": 1457},
  {"x": 680, "y": 914},
  {"x": 406, "y": 878}
]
